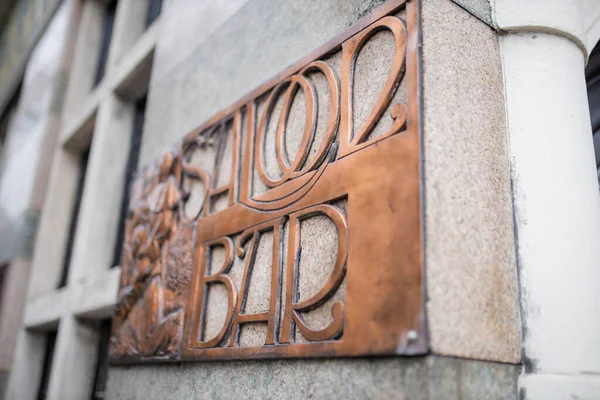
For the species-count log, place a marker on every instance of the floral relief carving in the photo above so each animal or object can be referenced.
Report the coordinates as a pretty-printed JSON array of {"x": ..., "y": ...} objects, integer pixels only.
[{"x": 156, "y": 267}]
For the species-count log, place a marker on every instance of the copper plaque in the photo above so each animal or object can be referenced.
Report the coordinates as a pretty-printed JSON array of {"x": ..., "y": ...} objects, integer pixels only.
[{"x": 289, "y": 224}]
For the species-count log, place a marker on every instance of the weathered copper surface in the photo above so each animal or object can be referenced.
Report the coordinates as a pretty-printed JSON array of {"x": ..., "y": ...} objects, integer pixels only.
[{"x": 194, "y": 219}]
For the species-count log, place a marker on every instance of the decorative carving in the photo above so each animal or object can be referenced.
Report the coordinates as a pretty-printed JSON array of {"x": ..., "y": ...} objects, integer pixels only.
[
  {"x": 156, "y": 268},
  {"x": 291, "y": 152}
]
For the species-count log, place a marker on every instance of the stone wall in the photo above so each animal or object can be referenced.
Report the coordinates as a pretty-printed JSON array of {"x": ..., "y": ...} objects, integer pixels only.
[
  {"x": 429, "y": 378},
  {"x": 209, "y": 55}
]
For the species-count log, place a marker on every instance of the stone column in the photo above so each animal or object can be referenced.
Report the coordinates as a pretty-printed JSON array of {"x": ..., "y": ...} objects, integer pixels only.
[{"x": 555, "y": 194}]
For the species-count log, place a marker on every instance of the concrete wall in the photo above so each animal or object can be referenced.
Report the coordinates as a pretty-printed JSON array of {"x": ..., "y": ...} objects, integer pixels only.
[
  {"x": 208, "y": 55},
  {"x": 473, "y": 303},
  {"x": 430, "y": 378}
]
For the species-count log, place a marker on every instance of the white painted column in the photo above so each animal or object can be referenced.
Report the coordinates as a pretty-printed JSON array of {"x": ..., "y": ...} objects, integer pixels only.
[{"x": 556, "y": 195}]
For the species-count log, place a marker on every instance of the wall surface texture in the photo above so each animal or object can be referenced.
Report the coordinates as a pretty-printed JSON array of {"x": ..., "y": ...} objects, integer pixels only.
[
  {"x": 473, "y": 303},
  {"x": 430, "y": 378}
]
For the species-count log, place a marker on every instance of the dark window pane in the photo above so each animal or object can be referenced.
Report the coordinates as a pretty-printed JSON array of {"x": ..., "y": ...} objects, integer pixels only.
[
  {"x": 154, "y": 8},
  {"x": 3, "y": 269},
  {"x": 74, "y": 215},
  {"x": 132, "y": 161},
  {"x": 47, "y": 368},
  {"x": 9, "y": 112},
  {"x": 597, "y": 148},
  {"x": 109, "y": 20},
  {"x": 99, "y": 389},
  {"x": 592, "y": 75}
]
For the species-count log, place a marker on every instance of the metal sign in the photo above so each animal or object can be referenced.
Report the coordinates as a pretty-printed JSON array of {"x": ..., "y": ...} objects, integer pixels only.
[{"x": 289, "y": 225}]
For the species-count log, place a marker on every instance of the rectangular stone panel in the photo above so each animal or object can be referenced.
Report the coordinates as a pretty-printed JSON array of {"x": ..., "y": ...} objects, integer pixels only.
[{"x": 288, "y": 225}]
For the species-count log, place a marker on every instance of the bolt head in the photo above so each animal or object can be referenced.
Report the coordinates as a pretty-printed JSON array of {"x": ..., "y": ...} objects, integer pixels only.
[{"x": 412, "y": 335}]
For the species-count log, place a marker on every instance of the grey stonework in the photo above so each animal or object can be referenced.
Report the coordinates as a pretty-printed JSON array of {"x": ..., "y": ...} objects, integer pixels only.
[
  {"x": 472, "y": 288},
  {"x": 482, "y": 9},
  {"x": 423, "y": 378}
]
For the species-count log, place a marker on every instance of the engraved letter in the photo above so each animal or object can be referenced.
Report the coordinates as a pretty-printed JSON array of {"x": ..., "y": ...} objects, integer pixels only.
[
  {"x": 198, "y": 307},
  {"x": 270, "y": 316},
  {"x": 291, "y": 315}
]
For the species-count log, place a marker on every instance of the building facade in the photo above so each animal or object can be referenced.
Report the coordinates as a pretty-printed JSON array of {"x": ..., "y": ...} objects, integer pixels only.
[{"x": 501, "y": 259}]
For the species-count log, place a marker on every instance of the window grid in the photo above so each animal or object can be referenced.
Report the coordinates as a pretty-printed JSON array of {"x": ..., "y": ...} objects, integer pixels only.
[{"x": 102, "y": 111}]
